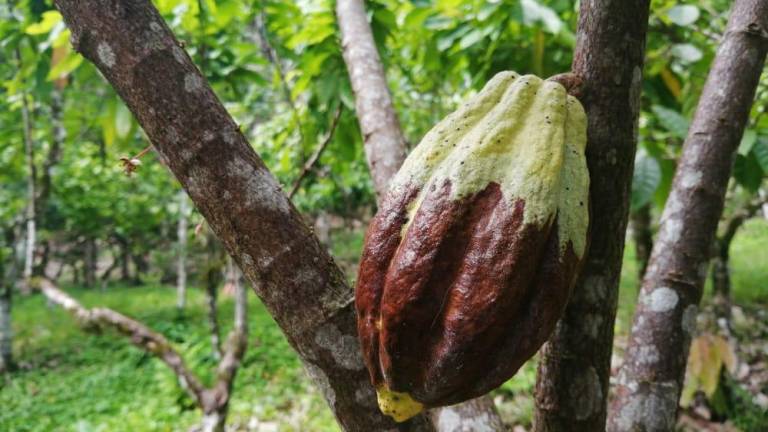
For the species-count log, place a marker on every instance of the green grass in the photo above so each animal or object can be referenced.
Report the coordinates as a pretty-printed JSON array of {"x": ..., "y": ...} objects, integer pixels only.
[{"x": 75, "y": 381}]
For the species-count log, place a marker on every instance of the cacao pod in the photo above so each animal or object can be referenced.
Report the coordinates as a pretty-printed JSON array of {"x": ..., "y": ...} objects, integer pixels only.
[{"x": 469, "y": 262}]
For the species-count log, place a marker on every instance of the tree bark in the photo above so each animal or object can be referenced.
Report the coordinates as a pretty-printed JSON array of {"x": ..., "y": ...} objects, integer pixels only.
[
  {"x": 651, "y": 377},
  {"x": 574, "y": 369},
  {"x": 382, "y": 136},
  {"x": 181, "y": 259},
  {"x": 385, "y": 151},
  {"x": 8, "y": 270},
  {"x": 476, "y": 415},
  {"x": 642, "y": 234},
  {"x": 195, "y": 137}
]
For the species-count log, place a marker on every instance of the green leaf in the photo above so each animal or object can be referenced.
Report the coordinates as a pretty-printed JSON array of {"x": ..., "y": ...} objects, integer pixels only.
[
  {"x": 686, "y": 53},
  {"x": 747, "y": 172},
  {"x": 683, "y": 15},
  {"x": 747, "y": 142},
  {"x": 534, "y": 12},
  {"x": 69, "y": 63},
  {"x": 50, "y": 19},
  {"x": 645, "y": 180},
  {"x": 760, "y": 150},
  {"x": 672, "y": 121},
  {"x": 122, "y": 121}
]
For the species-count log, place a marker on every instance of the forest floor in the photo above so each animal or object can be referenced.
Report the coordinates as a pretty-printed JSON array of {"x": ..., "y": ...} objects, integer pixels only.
[{"x": 74, "y": 381}]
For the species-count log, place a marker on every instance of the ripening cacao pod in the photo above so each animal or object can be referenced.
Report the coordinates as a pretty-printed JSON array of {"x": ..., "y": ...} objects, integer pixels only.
[{"x": 468, "y": 264}]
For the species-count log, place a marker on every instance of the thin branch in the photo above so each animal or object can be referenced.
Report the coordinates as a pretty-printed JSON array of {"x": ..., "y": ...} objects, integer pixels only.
[
  {"x": 318, "y": 152},
  {"x": 274, "y": 58},
  {"x": 139, "y": 334}
]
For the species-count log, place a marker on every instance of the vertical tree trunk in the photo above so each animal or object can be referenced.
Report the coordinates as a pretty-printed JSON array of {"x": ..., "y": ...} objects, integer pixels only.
[
  {"x": 181, "y": 259},
  {"x": 385, "y": 151},
  {"x": 301, "y": 286},
  {"x": 642, "y": 234},
  {"x": 651, "y": 377},
  {"x": 30, "y": 214},
  {"x": 58, "y": 137},
  {"x": 572, "y": 383},
  {"x": 212, "y": 280},
  {"x": 90, "y": 262},
  {"x": 6, "y": 329},
  {"x": 382, "y": 136}
]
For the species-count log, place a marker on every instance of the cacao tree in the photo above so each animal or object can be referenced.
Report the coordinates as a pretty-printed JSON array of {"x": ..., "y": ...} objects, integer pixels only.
[
  {"x": 651, "y": 377},
  {"x": 574, "y": 369}
]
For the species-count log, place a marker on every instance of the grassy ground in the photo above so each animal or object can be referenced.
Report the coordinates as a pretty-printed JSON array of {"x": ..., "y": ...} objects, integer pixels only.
[{"x": 73, "y": 381}]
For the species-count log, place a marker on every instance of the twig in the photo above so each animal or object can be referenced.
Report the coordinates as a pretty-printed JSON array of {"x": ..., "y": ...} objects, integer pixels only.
[
  {"x": 316, "y": 155},
  {"x": 274, "y": 58}
]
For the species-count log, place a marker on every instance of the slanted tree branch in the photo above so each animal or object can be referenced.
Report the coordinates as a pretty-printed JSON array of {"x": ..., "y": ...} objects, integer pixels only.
[
  {"x": 651, "y": 378},
  {"x": 212, "y": 401},
  {"x": 382, "y": 136},
  {"x": 298, "y": 282},
  {"x": 316, "y": 154}
]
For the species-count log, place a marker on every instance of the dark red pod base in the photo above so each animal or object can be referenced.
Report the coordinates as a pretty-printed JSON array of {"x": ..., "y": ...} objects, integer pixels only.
[{"x": 452, "y": 308}]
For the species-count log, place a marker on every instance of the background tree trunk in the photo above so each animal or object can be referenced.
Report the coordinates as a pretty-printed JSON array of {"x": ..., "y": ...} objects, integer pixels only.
[
  {"x": 385, "y": 152},
  {"x": 181, "y": 259},
  {"x": 31, "y": 214},
  {"x": 642, "y": 234},
  {"x": 195, "y": 137},
  {"x": 8, "y": 274},
  {"x": 721, "y": 271},
  {"x": 651, "y": 377},
  {"x": 382, "y": 136},
  {"x": 574, "y": 369}
]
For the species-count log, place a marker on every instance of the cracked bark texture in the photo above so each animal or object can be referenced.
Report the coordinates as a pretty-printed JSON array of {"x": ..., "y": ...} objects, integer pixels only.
[
  {"x": 651, "y": 377},
  {"x": 194, "y": 136},
  {"x": 382, "y": 136},
  {"x": 385, "y": 151},
  {"x": 574, "y": 368}
]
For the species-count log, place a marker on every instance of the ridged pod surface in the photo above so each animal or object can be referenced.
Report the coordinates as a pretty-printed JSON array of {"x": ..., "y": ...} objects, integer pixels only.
[{"x": 468, "y": 264}]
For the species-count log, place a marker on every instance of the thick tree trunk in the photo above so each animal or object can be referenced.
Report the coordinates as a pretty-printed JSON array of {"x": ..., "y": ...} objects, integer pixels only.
[
  {"x": 651, "y": 377},
  {"x": 298, "y": 282},
  {"x": 181, "y": 259},
  {"x": 385, "y": 151},
  {"x": 383, "y": 138},
  {"x": 642, "y": 234},
  {"x": 572, "y": 383},
  {"x": 476, "y": 415}
]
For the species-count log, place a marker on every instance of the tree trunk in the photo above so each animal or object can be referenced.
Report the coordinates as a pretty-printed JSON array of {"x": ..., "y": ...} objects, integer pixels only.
[
  {"x": 8, "y": 269},
  {"x": 651, "y": 377},
  {"x": 58, "y": 137},
  {"x": 31, "y": 214},
  {"x": 181, "y": 260},
  {"x": 212, "y": 280},
  {"x": 125, "y": 260},
  {"x": 385, "y": 151},
  {"x": 195, "y": 137},
  {"x": 572, "y": 382},
  {"x": 476, "y": 415},
  {"x": 382, "y": 136},
  {"x": 642, "y": 234},
  {"x": 90, "y": 262}
]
